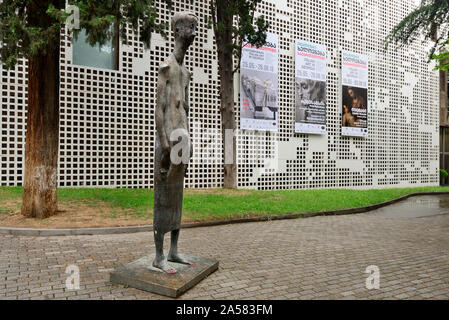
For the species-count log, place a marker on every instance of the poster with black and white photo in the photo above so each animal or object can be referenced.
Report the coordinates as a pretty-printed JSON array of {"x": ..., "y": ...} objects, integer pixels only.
[
  {"x": 259, "y": 86},
  {"x": 355, "y": 94},
  {"x": 310, "y": 87}
]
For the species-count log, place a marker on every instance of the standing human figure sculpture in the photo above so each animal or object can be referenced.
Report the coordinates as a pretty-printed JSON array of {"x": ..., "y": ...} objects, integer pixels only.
[{"x": 172, "y": 124}]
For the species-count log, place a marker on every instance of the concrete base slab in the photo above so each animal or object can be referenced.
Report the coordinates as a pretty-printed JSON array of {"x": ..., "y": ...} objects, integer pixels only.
[{"x": 142, "y": 275}]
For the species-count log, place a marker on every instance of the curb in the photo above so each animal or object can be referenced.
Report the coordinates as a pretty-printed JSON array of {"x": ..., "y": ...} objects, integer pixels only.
[{"x": 135, "y": 229}]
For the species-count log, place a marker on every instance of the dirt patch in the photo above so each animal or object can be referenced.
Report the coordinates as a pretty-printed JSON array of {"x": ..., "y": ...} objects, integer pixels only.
[
  {"x": 75, "y": 214},
  {"x": 94, "y": 214}
]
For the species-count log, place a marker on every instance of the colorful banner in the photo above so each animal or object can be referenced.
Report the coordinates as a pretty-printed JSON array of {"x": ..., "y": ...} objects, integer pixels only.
[
  {"x": 259, "y": 86},
  {"x": 310, "y": 87},
  {"x": 355, "y": 94}
]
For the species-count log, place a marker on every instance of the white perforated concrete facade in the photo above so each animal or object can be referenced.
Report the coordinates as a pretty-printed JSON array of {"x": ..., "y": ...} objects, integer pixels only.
[{"x": 107, "y": 117}]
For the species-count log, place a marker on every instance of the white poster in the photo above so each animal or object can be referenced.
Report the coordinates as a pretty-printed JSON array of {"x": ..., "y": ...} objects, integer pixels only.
[
  {"x": 355, "y": 94},
  {"x": 259, "y": 86},
  {"x": 310, "y": 87}
]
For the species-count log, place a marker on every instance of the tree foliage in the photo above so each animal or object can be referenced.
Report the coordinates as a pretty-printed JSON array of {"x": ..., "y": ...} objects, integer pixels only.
[
  {"x": 22, "y": 34},
  {"x": 245, "y": 29},
  {"x": 430, "y": 20},
  {"x": 442, "y": 58}
]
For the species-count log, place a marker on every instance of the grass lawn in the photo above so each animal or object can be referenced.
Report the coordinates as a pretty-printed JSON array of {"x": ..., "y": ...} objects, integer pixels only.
[{"x": 111, "y": 207}]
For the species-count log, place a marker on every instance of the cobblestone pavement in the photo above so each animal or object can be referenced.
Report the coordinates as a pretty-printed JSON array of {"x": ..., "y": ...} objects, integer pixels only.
[{"x": 314, "y": 258}]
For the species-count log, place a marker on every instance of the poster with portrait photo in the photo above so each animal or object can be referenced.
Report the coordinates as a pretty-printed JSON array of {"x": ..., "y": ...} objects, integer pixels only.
[
  {"x": 354, "y": 94},
  {"x": 310, "y": 88},
  {"x": 259, "y": 86},
  {"x": 355, "y": 111}
]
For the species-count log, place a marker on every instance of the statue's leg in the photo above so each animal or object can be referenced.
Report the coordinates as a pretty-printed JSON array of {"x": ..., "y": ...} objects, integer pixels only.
[
  {"x": 173, "y": 255},
  {"x": 160, "y": 261},
  {"x": 165, "y": 162}
]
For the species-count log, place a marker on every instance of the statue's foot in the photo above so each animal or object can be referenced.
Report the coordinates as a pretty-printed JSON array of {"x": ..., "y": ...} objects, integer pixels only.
[
  {"x": 163, "y": 265},
  {"x": 178, "y": 259}
]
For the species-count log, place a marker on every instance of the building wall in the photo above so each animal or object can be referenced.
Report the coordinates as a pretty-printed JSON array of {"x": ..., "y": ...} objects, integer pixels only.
[{"x": 107, "y": 117}]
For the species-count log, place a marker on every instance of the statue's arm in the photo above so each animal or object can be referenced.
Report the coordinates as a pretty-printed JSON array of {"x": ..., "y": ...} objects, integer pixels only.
[{"x": 161, "y": 105}]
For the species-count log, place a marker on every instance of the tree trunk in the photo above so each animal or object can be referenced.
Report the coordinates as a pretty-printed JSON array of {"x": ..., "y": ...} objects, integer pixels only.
[
  {"x": 227, "y": 111},
  {"x": 42, "y": 136},
  {"x": 116, "y": 43},
  {"x": 444, "y": 120},
  {"x": 228, "y": 123}
]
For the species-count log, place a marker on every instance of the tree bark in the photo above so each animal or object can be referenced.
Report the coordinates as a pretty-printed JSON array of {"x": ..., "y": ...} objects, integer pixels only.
[
  {"x": 42, "y": 136},
  {"x": 444, "y": 120},
  {"x": 227, "y": 110},
  {"x": 116, "y": 43}
]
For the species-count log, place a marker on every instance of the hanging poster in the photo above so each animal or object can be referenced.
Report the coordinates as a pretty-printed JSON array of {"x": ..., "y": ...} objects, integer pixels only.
[
  {"x": 259, "y": 86},
  {"x": 310, "y": 88},
  {"x": 355, "y": 94}
]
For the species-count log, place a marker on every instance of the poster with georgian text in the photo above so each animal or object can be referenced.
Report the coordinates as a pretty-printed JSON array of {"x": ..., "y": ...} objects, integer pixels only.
[
  {"x": 259, "y": 86},
  {"x": 355, "y": 94},
  {"x": 310, "y": 88}
]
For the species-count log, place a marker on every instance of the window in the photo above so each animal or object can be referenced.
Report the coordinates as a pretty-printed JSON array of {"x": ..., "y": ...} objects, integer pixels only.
[{"x": 94, "y": 56}]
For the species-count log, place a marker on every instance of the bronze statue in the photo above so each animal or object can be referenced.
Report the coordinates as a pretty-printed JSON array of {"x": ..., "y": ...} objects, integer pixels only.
[{"x": 172, "y": 112}]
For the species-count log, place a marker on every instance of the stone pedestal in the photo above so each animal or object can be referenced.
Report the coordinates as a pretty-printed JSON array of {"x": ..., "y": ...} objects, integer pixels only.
[{"x": 142, "y": 275}]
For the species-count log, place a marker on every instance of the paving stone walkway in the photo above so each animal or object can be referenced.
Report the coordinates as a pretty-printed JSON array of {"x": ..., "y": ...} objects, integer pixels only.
[{"x": 313, "y": 258}]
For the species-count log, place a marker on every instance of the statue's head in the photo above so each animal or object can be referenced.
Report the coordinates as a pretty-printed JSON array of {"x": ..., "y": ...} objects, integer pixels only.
[{"x": 184, "y": 25}]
